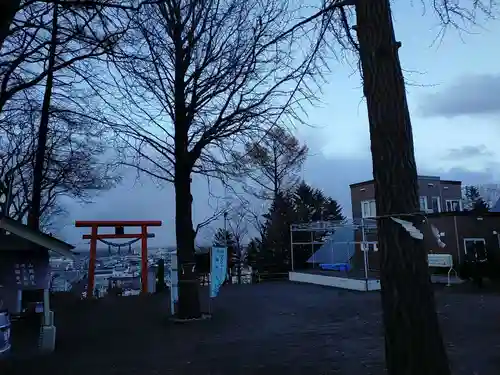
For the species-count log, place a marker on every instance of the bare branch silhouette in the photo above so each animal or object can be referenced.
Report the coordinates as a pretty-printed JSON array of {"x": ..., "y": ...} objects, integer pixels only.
[{"x": 193, "y": 82}]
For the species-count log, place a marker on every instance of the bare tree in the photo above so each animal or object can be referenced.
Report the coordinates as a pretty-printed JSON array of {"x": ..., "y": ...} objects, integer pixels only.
[
  {"x": 238, "y": 227},
  {"x": 273, "y": 163},
  {"x": 196, "y": 80},
  {"x": 10, "y": 8},
  {"x": 413, "y": 339},
  {"x": 47, "y": 52},
  {"x": 82, "y": 36},
  {"x": 50, "y": 39},
  {"x": 254, "y": 214},
  {"x": 74, "y": 166},
  {"x": 220, "y": 209}
]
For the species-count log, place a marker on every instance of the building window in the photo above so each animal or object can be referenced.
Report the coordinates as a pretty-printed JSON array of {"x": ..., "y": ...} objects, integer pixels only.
[
  {"x": 423, "y": 204},
  {"x": 475, "y": 249},
  {"x": 368, "y": 208},
  {"x": 453, "y": 205},
  {"x": 436, "y": 204}
]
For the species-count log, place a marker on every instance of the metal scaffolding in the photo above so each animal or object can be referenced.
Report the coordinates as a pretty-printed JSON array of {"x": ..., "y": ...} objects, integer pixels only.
[{"x": 365, "y": 229}]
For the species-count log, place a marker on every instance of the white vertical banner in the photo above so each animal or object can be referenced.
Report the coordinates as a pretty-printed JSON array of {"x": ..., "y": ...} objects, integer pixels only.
[{"x": 173, "y": 281}]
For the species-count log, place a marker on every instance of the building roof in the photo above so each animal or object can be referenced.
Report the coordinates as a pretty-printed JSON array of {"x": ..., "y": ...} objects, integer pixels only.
[
  {"x": 35, "y": 237},
  {"x": 451, "y": 182},
  {"x": 464, "y": 213}
]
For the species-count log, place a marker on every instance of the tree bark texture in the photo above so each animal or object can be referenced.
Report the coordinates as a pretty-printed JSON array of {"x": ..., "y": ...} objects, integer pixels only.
[
  {"x": 413, "y": 340},
  {"x": 43, "y": 130},
  {"x": 189, "y": 303}
]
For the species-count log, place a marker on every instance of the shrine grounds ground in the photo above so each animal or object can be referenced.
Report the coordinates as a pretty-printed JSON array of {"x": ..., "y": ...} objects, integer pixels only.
[{"x": 269, "y": 328}]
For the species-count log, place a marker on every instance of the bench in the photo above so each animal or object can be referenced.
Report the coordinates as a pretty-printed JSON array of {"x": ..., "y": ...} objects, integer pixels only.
[{"x": 442, "y": 261}]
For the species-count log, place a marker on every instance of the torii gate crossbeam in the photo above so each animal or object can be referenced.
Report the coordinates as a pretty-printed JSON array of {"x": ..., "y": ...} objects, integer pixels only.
[{"x": 119, "y": 234}]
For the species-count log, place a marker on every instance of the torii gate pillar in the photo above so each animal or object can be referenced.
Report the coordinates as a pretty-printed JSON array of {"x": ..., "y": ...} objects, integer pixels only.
[{"x": 94, "y": 236}]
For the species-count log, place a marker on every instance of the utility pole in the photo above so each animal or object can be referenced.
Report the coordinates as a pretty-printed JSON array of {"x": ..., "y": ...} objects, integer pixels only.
[{"x": 230, "y": 278}]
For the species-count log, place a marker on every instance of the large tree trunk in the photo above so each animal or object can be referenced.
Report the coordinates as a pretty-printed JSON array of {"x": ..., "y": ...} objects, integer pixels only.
[
  {"x": 43, "y": 131},
  {"x": 413, "y": 340},
  {"x": 189, "y": 303},
  {"x": 8, "y": 9}
]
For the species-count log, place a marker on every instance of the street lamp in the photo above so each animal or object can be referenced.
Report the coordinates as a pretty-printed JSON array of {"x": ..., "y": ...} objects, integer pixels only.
[{"x": 225, "y": 229}]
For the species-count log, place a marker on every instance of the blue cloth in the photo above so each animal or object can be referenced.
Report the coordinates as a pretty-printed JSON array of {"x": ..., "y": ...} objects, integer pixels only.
[
  {"x": 218, "y": 269},
  {"x": 335, "y": 267}
]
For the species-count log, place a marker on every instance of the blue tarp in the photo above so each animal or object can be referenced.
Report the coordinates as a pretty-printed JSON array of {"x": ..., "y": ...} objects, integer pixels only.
[
  {"x": 336, "y": 248},
  {"x": 335, "y": 267}
]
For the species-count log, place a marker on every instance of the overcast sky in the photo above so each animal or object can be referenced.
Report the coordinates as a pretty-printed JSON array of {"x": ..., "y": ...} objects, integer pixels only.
[{"x": 454, "y": 98}]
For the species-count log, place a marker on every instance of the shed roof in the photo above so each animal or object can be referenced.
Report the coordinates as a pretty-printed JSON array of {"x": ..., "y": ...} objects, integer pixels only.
[
  {"x": 471, "y": 213},
  {"x": 36, "y": 237}
]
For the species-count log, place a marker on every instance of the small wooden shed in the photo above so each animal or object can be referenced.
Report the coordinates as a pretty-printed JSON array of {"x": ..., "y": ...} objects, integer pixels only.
[{"x": 24, "y": 265}]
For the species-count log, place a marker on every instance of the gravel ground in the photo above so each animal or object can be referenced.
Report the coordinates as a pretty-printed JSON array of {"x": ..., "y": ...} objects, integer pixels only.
[{"x": 269, "y": 328}]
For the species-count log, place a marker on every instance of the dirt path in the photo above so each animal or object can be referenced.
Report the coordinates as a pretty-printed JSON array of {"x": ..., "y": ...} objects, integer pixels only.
[{"x": 259, "y": 329}]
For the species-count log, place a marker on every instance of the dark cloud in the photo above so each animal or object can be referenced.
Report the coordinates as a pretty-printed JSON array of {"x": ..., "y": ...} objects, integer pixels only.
[
  {"x": 471, "y": 95},
  {"x": 467, "y": 152},
  {"x": 490, "y": 174},
  {"x": 146, "y": 201},
  {"x": 142, "y": 200},
  {"x": 334, "y": 176}
]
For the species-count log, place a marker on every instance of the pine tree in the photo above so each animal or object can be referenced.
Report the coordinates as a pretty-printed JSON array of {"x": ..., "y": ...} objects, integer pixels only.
[
  {"x": 480, "y": 206},
  {"x": 313, "y": 205},
  {"x": 254, "y": 254},
  {"x": 303, "y": 204},
  {"x": 276, "y": 242},
  {"x": 474, "y": 200}
]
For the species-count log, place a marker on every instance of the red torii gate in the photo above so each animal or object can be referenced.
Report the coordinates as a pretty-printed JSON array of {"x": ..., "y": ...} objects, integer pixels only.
[{"x": 119, "y": 234}]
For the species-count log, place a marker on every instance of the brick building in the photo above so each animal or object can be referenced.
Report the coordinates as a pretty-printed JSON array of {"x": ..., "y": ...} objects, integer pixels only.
[{"x": 441, "y": 203}]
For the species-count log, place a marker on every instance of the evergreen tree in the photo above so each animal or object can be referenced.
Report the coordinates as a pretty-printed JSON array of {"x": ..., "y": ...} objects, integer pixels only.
[
  {"x": 474, "y": 200},
  {"x": 480, "y": 206},
  {"x": 312, "y": 205},
  {"x": 303, "y": 204},
  {"x": 276, "y": 241},
  {"x": 470, "y": 195},
  {"x": 254, "y": 254}
]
